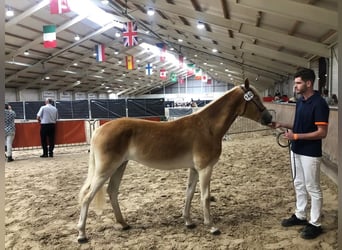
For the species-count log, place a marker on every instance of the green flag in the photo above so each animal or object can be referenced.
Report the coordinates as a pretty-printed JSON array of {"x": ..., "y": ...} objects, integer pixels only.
[{"x": 173, "y": 77}]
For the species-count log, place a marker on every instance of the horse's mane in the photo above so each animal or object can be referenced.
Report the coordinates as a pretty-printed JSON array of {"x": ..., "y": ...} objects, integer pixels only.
[{"x": 228, "y": 92}]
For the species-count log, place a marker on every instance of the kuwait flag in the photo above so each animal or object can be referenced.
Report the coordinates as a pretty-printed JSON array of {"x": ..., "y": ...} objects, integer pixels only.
[
  {"x": 100, "y": 52},
  {"x": 49, "y": 36},
  {"x": 59, "y": 6},
  {"x": 190, "y": 69},
  {"x": 129, "y": 62}
]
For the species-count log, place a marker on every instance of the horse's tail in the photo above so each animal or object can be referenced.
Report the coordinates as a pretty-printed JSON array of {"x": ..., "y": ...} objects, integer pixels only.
[{"x": 90, "y": 182}]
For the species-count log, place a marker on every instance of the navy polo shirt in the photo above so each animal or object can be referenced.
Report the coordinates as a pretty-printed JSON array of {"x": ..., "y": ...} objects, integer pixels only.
[{"x": 309, "y": 113}]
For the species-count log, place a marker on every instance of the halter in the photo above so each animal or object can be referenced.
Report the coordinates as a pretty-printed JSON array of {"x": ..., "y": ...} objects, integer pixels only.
[{"x": 249, "y": 96}]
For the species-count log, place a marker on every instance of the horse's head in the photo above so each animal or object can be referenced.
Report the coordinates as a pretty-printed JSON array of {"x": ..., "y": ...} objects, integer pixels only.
[{"x": 252, "y": 106}]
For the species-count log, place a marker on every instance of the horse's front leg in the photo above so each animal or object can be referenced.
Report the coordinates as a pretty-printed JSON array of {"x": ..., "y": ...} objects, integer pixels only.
[
  {"x": 190, "y": 190},
  {"x": 204, "y": 179}
]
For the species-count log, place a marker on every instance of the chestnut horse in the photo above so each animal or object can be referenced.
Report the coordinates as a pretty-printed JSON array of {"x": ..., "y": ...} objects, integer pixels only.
[{"x": 194, "y": 142}]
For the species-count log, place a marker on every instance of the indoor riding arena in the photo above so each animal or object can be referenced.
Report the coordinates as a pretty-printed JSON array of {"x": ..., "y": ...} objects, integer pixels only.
[{"x": 203, "y": 100}]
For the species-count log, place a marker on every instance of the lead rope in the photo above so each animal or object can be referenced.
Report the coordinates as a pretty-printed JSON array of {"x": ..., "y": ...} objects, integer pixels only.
[{"x": 288, "y": 145}]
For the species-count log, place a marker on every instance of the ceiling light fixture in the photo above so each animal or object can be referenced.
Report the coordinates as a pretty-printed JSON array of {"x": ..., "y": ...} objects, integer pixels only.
[
  {"x": 200, "y": 25},
  {"x": 9, "y": 12},
  {"x": 117, "y": 34},
  {"x": 150, "y": 11},
  {"x": 214, "y": 50},
  {"x": 77, "y": 38},
  {"x": 26, "y": 53},
  {"x": 106, "y": 2}
]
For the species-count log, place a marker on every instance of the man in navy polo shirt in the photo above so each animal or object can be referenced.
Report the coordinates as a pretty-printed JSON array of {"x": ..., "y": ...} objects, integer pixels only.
[{"x": 306, "y": 133}]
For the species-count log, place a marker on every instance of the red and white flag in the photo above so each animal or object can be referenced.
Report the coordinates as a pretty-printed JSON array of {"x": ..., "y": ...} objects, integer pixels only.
[
  {"x": 162, "y": 48},
  {"x": 163, "y": 74},
  {"x": 59, "y": 6},
  {"x": 181, "y": 61},
  {"x": 181, "y": 80},
  {"x": 204, "y": 77}
]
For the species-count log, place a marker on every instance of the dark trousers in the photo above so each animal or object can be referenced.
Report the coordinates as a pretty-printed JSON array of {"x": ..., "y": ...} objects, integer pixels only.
[{"x": 47, "y": 137}]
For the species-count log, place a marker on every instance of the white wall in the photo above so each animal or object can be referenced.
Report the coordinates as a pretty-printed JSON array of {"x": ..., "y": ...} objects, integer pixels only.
[
  {"x": 12, "y": 95},
  {"x": 334, "y": 71}
]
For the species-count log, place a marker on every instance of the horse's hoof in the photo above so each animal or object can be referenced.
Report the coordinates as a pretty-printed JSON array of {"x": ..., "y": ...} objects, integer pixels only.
[
  {"x": 127, "y": 227},
  {"x": 212, "y": 198},
  {"x": 191, "y": 226},
  {"x": 215, "y": 231},
  {"x": 82, "y": 240}
]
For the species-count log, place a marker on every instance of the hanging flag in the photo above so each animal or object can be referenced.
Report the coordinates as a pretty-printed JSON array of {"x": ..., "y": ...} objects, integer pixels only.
[
  {"x": 181, "y": 80},
  {"x": 129, "y": 62},
  {"x": 148, "y": 69},
  {"x": 163, "y": 74},
  {"x": 49, "y": 36},
  {"x": 181, "y": 61},
  {"x": 204, "y": 77},
  {"x": 173, "y": 77},
  {"x": 100, "y": 52},
  {"x": 59, "y": 6},
  {"x": 162, "y": 53},
  {"x": 198, "y": 74},
  {"x": 130, "y": 34},
  {"x": 190, "y": 69},
  {"x": 210, "y": 80}
]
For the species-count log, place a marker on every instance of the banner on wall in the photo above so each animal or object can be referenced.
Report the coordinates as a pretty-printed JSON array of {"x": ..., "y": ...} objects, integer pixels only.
[
  {"x": 80, "y": 96},
  {"x": 65, "y": 96},
  {"x": 92, "y": 96},
  {"x": 49, "y": 94}
]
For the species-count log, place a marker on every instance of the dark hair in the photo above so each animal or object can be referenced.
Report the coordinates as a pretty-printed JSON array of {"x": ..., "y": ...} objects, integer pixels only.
[
  {"x": 6, "y": 106},
  {"x": 306, "y": 75}
]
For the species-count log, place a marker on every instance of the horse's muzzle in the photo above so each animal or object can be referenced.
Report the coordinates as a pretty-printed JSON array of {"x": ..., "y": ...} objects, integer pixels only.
[{"x": 266, "y": 117}]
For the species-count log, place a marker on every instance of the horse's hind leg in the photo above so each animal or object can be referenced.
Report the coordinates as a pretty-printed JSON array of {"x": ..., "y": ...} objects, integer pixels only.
[
  {"x": 204, "y": 179},
  {"x": 192, "y": 181},
  {"x": 95, "y": 186},
  {"x": 112, "y": 190}
]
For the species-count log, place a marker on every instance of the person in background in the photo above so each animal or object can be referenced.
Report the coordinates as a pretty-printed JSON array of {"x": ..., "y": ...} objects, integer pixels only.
[
  {"x": 47, "y": 116},
  {"x": 9, "y": 131},
  {"x": 334, "y": 99},
  {"x": 327, "y": 97},
  {"x": 306, "y": 133}
]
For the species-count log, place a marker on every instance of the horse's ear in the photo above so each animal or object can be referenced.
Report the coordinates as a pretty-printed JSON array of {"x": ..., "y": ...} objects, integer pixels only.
[{"x": 246, "y": 83}]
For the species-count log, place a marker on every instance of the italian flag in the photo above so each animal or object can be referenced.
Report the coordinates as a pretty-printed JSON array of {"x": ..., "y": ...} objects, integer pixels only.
[{"x": 49, "y": 36}]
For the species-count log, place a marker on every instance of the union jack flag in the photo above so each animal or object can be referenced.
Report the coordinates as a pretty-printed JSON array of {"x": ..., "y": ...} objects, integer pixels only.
[{"x": 130, "y": 34}]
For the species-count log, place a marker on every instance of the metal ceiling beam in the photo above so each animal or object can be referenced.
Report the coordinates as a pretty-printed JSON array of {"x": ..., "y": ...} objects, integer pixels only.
[
  {"x": 250, "y": 30},
  {"x": 28, "y": 12},
  {"x": 40, "y": 38},
  {"x": 257, "y": 50},
  {"x": 298, "y": 11}
]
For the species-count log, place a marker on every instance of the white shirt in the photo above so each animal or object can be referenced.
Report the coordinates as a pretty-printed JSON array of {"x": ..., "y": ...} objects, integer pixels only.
[{"x": 47, "y": 114}]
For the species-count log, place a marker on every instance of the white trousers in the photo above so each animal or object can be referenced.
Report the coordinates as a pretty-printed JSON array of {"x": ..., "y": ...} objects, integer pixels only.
[
  {"x": 9, "y": 141},
  {"x": 306, "y": 174}
]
